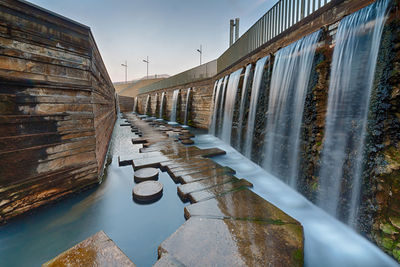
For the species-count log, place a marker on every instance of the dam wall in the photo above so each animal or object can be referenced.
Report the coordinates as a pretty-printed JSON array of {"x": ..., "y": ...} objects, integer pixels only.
[
  {"x": 57, "y": 108},
  {"x": 367, "y": 201}
]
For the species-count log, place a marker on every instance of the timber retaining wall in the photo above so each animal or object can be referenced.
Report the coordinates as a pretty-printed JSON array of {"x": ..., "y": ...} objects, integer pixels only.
[{"x": 57, "y": 108}]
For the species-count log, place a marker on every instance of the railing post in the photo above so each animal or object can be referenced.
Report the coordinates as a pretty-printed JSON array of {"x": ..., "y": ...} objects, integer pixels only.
[{"x": 302, "y": 9}]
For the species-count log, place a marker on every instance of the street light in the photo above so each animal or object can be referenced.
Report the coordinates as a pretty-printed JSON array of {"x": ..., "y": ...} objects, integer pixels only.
[
  {"x": 126, "y": 70},
  {"x": 147, "y": 62},
  {"x": 201, "y": 52}
]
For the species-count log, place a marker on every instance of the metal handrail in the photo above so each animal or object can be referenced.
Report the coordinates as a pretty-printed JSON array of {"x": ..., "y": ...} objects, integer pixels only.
[{"x": 283, "y": 15}]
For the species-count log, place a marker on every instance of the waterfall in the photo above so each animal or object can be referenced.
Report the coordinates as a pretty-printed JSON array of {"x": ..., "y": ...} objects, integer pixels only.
[
  {"x": 248, "y": 142},
  {"x": 353, "y": 67},
  {"x": 217, "y": 87},
  {"x": 174, "y": 105},
  {"x": 188, "y": 94},
  {"x": 135, "y": 105},
  {"x": 230, "y": 97},
  {"x": 243, "y": 100},
  {"x": 162, "y": 105},
  {"x": 289, "y": 83},
  {"x": 220, "y": 114},
  {"x": 147, "y": 105}
]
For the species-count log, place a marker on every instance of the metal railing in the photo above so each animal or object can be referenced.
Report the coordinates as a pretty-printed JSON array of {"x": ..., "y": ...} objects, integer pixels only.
[
  {"x": 283, "y": 15},
  {"x": 201, "y": 72}
]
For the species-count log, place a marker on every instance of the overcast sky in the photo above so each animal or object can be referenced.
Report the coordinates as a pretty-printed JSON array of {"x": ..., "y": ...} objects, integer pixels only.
[{"x": 168, "y": 31}]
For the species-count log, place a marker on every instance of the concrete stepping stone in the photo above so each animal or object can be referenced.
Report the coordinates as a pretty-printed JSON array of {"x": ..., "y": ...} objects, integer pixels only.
[
  {"x": 185, "y": 189},
  {"x": 187, "y": 142},
  {"x": 139, "y": 140},
  {"x": 189, "y": 178},
  {"x": 218, "y": 190},
  {"x": 98, "y": 250},
  {"x": 243, "y": 204},
  {"x": 225, "y": 242},
  {"x": 146, "y": 174},
  {"x": 148, "y": 191}
]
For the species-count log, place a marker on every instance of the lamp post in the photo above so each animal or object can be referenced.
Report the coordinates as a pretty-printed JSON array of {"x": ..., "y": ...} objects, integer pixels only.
[
  {"x": 126, "y": 70},
  {"x": 147, "y": 62},
  {"x": 201, "y": 52}
]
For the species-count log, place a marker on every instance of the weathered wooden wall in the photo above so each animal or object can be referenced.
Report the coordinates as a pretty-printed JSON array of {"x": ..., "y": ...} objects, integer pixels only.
[{"x": 57, "y": 108}]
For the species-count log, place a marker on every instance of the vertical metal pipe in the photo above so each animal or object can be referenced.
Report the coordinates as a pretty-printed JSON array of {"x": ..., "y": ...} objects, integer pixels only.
[
  {"x": 290, "y": 14},
  {"x": 269, "y": 26},
  {"x": 302, "y": 9},
  {"x": 313, "y": 6},
  {"x": 231, "y": 32},
  {"x": 236, "y": 29},
  {"x": 282, "y": 14}
]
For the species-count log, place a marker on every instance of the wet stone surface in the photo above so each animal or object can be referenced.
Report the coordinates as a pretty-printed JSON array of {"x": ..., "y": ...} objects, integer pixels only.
[
  {"x": 147, "y": 191},
  {"x": 97, "y": 250},
  {"x": 146, "y": 174},
  {"x": 227, "y": 222}
]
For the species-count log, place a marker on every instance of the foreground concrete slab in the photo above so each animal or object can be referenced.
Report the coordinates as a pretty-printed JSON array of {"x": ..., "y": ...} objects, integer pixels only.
[
  {"x": 214, "y": 242},
  {"x": 98, "y": 250}
]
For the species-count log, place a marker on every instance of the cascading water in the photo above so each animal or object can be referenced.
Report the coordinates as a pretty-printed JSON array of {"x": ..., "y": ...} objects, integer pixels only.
[
  {"x": 147, "y": 106},
  {"x": 289, "y": 83},
  {"x": 353, "y": 67},
  {"x": 135, "y": 105},
  {"x": 248, "y": 143},
  {"x": 188, "y": 95},
  {"x": 230, "y": 97},
  {"x": 242, "y": 105},
  {"x": 217, "y": 87},
  {"x": 174, "y": 105},
  {"x": 220, "y": 114},
  {"x": 162, "y": 105}
]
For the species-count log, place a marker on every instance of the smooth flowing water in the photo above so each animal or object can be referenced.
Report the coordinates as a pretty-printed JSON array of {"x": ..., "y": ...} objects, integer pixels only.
[
  {"x": 327, "y": 241},
  {"x": 188, "y": 95},
  {"x": 259, "y": 69},
  {"x": 147, "y": 106},
  {"x": 289, "y": 84},
  {"x": 230, "y": 98},
  {"x": 243, "y": 100},
  {"x": 220, "y": 114},
  {"x": 135, "y": 102},
  {"x": 353, "y": 67},
  {"x": 217, "y": 88},
  {"x": 162, "y": 104},
  {"x": 137, "y": 229},
  {"x": 174, "y": 105}
]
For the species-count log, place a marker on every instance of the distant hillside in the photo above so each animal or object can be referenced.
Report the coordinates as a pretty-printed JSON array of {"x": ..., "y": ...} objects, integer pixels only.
[
  {"x": 132, "y": 90},
  {"x": 131, "y": 87}
]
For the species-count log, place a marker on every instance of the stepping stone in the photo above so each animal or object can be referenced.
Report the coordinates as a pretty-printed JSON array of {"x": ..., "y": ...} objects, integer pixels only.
[
  {"x": 146, "y": 174},
  {"x": 243, "y": 205},
  {"x": 98, "y": 250},
  {"x": 148, "y": 191},
  {"x": 189, "y": 178},
  {"x": 225, "y": 242},
  {"x": 185, "y": 189},
  {"x": 187, "y": 142},
  {"x": 218, "y": 190},
  {"x": 139, "y": 140}
]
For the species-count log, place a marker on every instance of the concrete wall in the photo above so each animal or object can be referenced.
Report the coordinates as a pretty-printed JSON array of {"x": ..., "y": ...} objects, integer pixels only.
[
  {"x": 57, "y": 108},
  {"x": 201, "y": 102}
]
